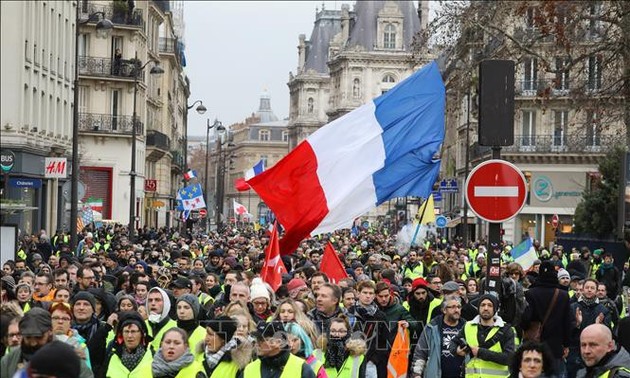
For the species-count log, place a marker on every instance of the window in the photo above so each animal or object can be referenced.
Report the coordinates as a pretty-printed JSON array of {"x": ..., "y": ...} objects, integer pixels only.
[
  {"x": 264, "y": 159},
  {"x": 388, "y": 79},
  {"x": 115, "y": 108},
  {"x": 562, "y": 74},
  {"x": 285, "y": 136},
  {"x": 263, "y": 135},
  {"x": 560, "y": 127},
  {"x": 356, "y": 88},
  {"x": 389, "y": 37},
  {"x": 530, "y": 74},
  {"x": 310, "y": 105},
  {"x": 529, "y": 129},
  {"x": 594, "y": 73},
  {"x": 595, "y": 10},
  {"x": 593, "y": 129}
]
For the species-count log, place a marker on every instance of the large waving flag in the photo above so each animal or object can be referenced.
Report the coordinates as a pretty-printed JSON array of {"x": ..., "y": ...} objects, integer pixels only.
[
  {"x": 384, "y": 149},
  {"x": 241, "y": 184},
  {"x": 273, "y": 267},
  {"x": 192, "y": 197},
  {"x": 525, "y": 254}
]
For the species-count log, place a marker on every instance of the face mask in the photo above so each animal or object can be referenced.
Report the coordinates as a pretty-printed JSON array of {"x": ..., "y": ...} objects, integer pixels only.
[{"x": 154, "y": 318}]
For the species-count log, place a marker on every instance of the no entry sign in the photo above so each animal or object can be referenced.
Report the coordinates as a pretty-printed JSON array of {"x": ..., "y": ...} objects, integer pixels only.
[{"x": 496, "y": 190}]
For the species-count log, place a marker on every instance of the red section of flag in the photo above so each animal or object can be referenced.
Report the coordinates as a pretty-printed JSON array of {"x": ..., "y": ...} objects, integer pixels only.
[
  {"x": 273, "y": 268},
  {"x": 241, "y": 185},
  {"x": 332, "y": 266},
  {"x": 292, "y": 190}
]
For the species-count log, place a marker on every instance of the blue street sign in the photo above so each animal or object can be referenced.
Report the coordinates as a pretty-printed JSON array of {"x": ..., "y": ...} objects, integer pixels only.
[
  {"x": 25, "y": 183},
  {"x": 449, "y": 186},
  {"x": 441, "y": 221},
  {"x": 437, "y": 196}
]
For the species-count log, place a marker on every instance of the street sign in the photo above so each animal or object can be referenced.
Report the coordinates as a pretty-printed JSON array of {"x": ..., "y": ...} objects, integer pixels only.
[
  {"x": 150, "y": 185},
  {"x": 496, "y": 190},
  {"x": 7, "y": 160},
  {"x": 25, "y": 183},
  {"x": 441, "y": 221},
  {"x": 203, "y": 213},
  {"x": 448, "y": 186},
  {"x": 555, "y": 221},
  {"x": 66, "y": 190},
  {"x": 55, "y": 167}
]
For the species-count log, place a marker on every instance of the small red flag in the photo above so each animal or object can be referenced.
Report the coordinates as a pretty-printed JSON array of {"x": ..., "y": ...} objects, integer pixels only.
[
  {"x": 332, "y": 266},
  {"x": 241, "y": 185},
  {"x": 273, "y": 267}
]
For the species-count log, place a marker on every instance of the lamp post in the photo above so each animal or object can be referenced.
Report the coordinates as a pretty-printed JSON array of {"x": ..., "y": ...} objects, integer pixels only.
[
  {"x": 103, "y": 26},
  {"x": 466, "y": 168},
  {"x": 220, "y": 128},
  {"x": 155, "y": 70},
  {"x": 201, "y": 109}
]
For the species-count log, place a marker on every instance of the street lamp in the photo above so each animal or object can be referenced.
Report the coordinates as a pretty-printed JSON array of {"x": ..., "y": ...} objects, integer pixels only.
[
  {"x": 200, "y": 109},
  {"x": 155, "y": 70},
  {"x": 220, "y": 188},
  {"x": 103, "y": 27},
  {"x": 221, "y": 129}
]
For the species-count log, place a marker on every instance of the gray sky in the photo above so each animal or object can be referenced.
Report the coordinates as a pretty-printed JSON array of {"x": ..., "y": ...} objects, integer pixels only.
[{"x": 237, "y": 49}]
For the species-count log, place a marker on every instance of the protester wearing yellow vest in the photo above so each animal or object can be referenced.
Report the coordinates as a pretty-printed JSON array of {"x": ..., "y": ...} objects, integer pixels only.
[
  {"x": 273, "y": 351},
  {"x": 224, "y": 354},
  {"x": 600, "y": 356},
  {"x": 413, "y": 268},
  {"x": 187, "y": 315},
  {"x": 489, "y": 342},
  {"x": 130, "y": 355},
  {"x": 174, "y": 358},
  {"x": 158, "y": 307},
  {"x": 341, "y": 355}
]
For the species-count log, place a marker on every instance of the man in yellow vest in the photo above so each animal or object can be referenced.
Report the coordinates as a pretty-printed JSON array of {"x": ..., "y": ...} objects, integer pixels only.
[
  {"x": 274, "y": 355},
  {"x": 600, "y": 357},
  {"x": 158, "y": 307},
  {"x": 487, "y": 342}
]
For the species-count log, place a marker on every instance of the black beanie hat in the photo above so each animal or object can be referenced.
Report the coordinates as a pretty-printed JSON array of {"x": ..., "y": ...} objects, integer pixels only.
[
  {"x": 223, "y": 326},
  {"x": 56, "y": 359},
  {"x": 547, "y": 272},
  {"x": 491, "y": 298},
  {"x": 84, "y": 296}
]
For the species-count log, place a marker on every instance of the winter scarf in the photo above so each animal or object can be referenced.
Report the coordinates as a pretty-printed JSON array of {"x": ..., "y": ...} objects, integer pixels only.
[
  {"x": 130, "y": 360},
  {"x": 214, "y": 291},
  {"x": 336, "y": 352},
  {"x": 87, "y": 330},
  {"x": 161, "y": 368},
  {"x": 369, "y": 309},
  {"x": 604, "y": 267},
  {"x": 188, "y": 325},
  {"x": 213, "y": 359},
  {"x": 589, "y": 302}
]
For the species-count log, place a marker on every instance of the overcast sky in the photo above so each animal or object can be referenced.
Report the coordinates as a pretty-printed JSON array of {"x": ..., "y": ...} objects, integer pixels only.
[{"x": 236, "y": 50}]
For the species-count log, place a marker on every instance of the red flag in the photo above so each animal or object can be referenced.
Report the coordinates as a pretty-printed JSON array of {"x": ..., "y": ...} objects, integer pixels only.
[
  {"x": 273, "y": 267},
  {"x": 241, "y": 185},
  {"x": 332, "y": 266}
]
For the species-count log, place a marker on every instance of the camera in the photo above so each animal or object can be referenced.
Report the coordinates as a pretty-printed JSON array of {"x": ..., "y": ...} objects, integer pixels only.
[{"x": 461, "y": 342}]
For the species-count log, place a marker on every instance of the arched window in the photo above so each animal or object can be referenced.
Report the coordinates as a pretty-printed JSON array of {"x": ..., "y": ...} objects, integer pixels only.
[
  {"x": 263, "y": 135},
  {"x": 356, "y": 88},
  {"x": 311, "y": 105},
  {"x": 389, "y": 38},
  {"x": 388, "y": 79}
]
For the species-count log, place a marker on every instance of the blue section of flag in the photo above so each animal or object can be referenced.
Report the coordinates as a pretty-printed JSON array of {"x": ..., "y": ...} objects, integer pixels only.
[
  {"x": 412, "y": 117},
  {"x": 191, "y": 197},
  {"x": 259, "y": 167},
  {"x": 524, "y": 254}
]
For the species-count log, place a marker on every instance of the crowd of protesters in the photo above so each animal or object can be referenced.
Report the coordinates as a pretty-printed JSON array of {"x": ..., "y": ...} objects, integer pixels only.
[{"x": 165, "y": 304}]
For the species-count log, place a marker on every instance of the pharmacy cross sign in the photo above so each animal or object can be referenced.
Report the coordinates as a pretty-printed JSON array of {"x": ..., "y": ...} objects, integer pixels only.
[{"x": 496, "y": 190}]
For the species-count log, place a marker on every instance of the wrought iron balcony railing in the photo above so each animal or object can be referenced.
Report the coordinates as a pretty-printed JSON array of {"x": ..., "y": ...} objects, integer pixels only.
[
  {"x": 178, "y": 159},
  {"x": 158, "y": 140},
  {"x": 118, "y": 12},
  {"x": 561, "y": 142},
  {"x": 109, "y": 67},
  {"x": 108, "y": 124}
]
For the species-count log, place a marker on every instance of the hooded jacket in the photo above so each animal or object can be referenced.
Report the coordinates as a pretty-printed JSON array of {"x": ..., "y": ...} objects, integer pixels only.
[
  {"x": 618, "y": 359},
  {"x": 157, "y": 324}
]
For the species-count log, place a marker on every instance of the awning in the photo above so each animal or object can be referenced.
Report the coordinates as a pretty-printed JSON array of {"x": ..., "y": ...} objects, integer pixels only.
[{"x": 456, "y": 221}]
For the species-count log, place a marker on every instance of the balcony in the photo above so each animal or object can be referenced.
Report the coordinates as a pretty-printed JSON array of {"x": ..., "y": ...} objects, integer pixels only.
[
  {"x": 117, "y": 12},
  {"x": 177, "y": 163},
  {"x": 107, "y": 67},
  {"x": 168, "y": 45},
  {"x": 158, "y": 144},
  {"x": 108, "y": 124},
  {"x": 561, "y": 143}
]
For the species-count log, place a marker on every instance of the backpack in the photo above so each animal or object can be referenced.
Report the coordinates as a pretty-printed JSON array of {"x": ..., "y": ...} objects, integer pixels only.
[{"x": 513, "y": 302}]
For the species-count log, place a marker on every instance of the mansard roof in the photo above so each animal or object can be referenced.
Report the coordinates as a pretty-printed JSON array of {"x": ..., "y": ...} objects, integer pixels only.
[{"x": 327, "y": 25}]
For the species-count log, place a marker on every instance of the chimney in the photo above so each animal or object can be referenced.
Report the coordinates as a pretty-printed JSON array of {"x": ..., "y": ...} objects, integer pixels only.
[{"x": 301, "y": 53}]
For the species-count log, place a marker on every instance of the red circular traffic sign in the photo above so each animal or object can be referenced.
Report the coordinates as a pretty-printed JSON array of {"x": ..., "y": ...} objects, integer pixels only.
[
  {"x": 496, "y": 190},
  {"x": 203, "y": 213}
]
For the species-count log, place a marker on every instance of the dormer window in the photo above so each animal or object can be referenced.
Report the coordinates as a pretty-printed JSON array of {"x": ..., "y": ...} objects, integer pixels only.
[
  {"x": 388, "y": 79},
  {"x": 389, "y": 37},
  {"x": 263, "y": 135}
]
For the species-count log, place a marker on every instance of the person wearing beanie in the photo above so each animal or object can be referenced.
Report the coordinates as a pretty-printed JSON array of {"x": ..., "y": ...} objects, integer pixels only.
[
  {"x": 188, "y": 319},
  {"x": 260, "y": 300},
  {"x": 56, "y": 359},
  {"x": 564, "y": 278},
  {"x": 420, "y": 303},
  {"x": 224, "y": 353},
  {"x": 24, "y": 295},
  {"x": 492, "y": 357},
  {"x": 296, "y": 288},
  {"x": 540, "y": 296},
  {"x": 131, "y": 354},
  {"x": 87, "y": 325}
]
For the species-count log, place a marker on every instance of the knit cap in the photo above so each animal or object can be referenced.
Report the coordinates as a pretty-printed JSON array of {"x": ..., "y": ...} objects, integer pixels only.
[
  {"x": 84, "y": 296},
  {"x": 56, "y": 359},
  {"x": 563, "y": 273},
  {"x": 258, "y": 290},
  {"x": 193, "y": 301},
  {"x": 491, "y": 298}
]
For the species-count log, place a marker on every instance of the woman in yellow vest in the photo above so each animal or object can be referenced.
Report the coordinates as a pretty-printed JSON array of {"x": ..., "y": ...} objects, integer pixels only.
[
  {"x": 130, "y": 355},
  {"x": 174, "y": 359},
  {"x": 302, "y": 346},
  {"x": 187, "y": 314},
  {"x": 224, "y": 353},
  {"x": 341, "y": 355}
]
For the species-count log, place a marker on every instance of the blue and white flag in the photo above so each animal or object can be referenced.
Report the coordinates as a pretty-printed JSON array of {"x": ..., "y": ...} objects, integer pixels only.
[
  {"x": 255, "y": 170},
  {"x": 525, "y": 254},
  {"x": 192, "y": 197}
]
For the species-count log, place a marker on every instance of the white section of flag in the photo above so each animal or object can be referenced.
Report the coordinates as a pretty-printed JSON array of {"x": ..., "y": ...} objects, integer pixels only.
[{"x": 496, "y": 191}]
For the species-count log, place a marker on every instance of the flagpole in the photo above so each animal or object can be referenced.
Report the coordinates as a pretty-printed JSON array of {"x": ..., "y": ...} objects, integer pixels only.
[{"x": 415, "y": 234}]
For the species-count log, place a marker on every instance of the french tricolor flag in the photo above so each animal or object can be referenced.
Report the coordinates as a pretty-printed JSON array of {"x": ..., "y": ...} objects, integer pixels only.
[
  {"x": 241, "y": 184},
  {"x": 384, "y": 149},
  {"x": 191, "y": 174}
]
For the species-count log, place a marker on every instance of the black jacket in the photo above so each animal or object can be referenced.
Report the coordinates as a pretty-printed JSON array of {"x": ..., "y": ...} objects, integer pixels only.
[{"x": 557, "y": 330}]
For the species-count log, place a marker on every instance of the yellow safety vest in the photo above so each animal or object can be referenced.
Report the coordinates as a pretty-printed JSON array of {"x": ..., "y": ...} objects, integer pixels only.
[
  {"x": 414, "y": 273},
  {"x": 157, "y": 339},
  {"x": 197, "y": 336},
  {"x": 292, "y": 369},
  {"x": 225, "y": 369},
  {"x": 350, "y": 368},
  {"x": 476, "y": 367},
  {"x": 436, "y": 302},
  {"x": 606, "y": 374},
  {"x": 191, "y": 370},
  {"x": 117, "y": 370}
]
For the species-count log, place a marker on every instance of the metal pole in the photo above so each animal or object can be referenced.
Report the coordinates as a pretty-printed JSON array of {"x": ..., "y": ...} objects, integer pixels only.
[
  {"x": 205, "y": 185},
  {"x": 219, "y": 189},
  {"x": 74, "y": 191},
  {"x": 465, "y": 215},
  {"x": 132, "y": 172}
]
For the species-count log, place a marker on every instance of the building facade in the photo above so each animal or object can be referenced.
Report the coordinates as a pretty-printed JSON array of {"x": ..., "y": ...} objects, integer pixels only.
[{"x": 36, "y": 119}]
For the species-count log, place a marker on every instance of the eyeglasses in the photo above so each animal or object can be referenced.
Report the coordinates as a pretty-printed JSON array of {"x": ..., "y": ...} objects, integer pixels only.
[
  {"x": 16, "y": 335},
  {"x": 60, "y": 319},
  {"x": 259, "y": 304},
  {"x": 338, "y": 332}
]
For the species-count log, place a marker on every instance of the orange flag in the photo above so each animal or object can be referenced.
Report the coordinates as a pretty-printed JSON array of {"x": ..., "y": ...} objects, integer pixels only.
[
  {"x": 273, "y": 267},
  {"x": 332, "y": 266}
]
